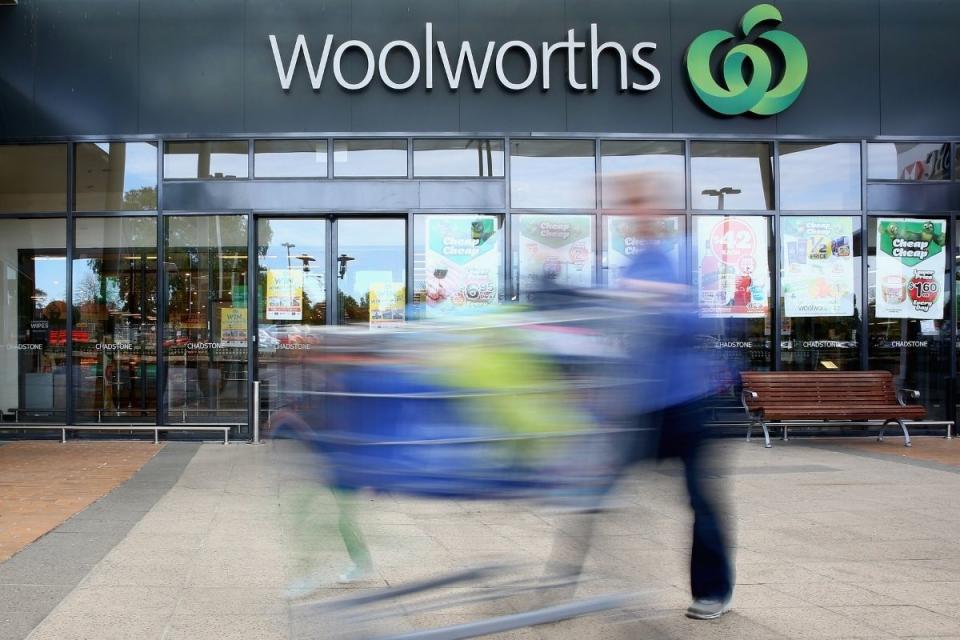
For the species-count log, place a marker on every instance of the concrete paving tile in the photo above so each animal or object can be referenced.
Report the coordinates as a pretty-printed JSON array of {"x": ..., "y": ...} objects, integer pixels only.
[
  {"x": 119, "y": 601},
  {"x": 151, "y": 571},
  {"x": 212, "y": 601},
  {"x": 903, "y": 621},
  {"x": 834, "y": 594},
  {"x": 142, "y": 625},
  {"x": 918, "y": 593},
  {"x": 17, "y": 625},
  {"x": 245, "y": 627},
  {"x": 25, "y": 569},
  {"x": 750, "y": 596},
  {"x": 778, "y": 573},
  {"x": 814, "y": 623}
]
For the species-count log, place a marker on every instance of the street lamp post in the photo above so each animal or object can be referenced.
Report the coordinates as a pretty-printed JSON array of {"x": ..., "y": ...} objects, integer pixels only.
[
  {"x": 719, "y": 193},
  {"x": 288, "y": 245}
]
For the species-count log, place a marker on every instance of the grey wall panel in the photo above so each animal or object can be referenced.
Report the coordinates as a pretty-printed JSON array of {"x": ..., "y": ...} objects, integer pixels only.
[
  {"x": 463, "y": 194},
  {"x": 690, "y": 18},
  {"x": 18, "y": 27},
  {"x": 191, "y": 66},
  {"x": 416, "y": 109},
  {"x": 499, "y": 109},
  {"x": 87, "y": 75},
  {"x": 301, "y": 108},
  {"x": 932, "y": 198},
  {"x": 332, "y": 195},
  {"x": 608, "y": 109},
  {"x": 841, "y": 95},
  {"x": 920, "y": 59}
]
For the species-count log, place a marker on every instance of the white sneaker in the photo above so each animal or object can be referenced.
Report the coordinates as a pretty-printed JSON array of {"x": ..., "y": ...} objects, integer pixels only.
[
  {"x": 708, "y": 608},
  {"x": 356, "y": 573}
]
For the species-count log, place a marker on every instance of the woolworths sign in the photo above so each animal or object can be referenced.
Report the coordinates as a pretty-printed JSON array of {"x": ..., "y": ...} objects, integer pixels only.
[
  {"x": 461, "y": 65},
  {"x": 746, "y": 83}
]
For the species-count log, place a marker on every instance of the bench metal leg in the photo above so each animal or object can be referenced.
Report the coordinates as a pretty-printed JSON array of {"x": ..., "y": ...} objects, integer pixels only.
[
  {"x": 903, "y": 426},
  {"x": 766, "y": 435},
  {"x": 63, "y": 436},
  {"x": 750, "y": 427},
  {"x": 156, "y": 436},
  {"x": 949, "y": 431},
  {"x": 784, "y": 436},
  {"x": 226, "y": 436}
]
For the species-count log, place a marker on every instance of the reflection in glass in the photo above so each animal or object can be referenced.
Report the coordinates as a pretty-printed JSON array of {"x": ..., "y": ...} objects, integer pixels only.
[
  {"x": 458, "y": 263},
  {"x": 33, "y": 320},
  {"x": 731, "y": 277},
  {"x": 452, "y": 157},
  {"x": 821, "y": 284},
  {"x": 553, "y": 174},
  {"x": 915, "y": 350},
  {"x": 552, "y": 250},
  {"x": 115, "y": 321},
  {"x": 290, "y": 159},
  {"x": 731, "y": 175},
  {"x": 911, "y": 161},
  {"x": 373, "y": 158},
  {"x": 205, "y": 331},
  {"x": 623, "y": 239},
  {"x": 291, "y": 305},
  {"x": 819, "y": 176},
  {"x": 371, "y": 271},
  {"x": 33, "y": 177},
  {"x": 206, "y": 160},
  {"x": 116, "y": 176},
  {"x": 662, "y": 159}
]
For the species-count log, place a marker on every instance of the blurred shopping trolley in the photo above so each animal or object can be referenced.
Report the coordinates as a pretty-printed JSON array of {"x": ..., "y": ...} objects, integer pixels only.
[{"x": 514, "y": 405}]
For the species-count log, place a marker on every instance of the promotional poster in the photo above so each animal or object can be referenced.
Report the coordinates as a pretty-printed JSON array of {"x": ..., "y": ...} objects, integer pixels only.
[
  {"x": 732, "y": 265},
  {"x": 233, "y": 324},
  {"x": 555, "y": 248},
  {"x": 387, "y": 304},
  {"x": 284, "y": 294},
  {"x": 462, "y": 264},
  {"x": 911, "y": 260},
  {"x": 818, "y": 274},
  {"x": 624, "y": 241}
]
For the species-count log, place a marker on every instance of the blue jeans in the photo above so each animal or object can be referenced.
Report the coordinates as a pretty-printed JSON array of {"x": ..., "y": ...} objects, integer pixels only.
[{"x": 683, "y": 435}]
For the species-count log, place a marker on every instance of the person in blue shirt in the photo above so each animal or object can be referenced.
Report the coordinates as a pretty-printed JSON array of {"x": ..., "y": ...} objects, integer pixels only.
[{"x": 685, "y": 378}]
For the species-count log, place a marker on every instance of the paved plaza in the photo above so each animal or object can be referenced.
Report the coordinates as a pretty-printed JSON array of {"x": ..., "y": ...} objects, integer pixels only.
[{"x": 833, "y": 541}]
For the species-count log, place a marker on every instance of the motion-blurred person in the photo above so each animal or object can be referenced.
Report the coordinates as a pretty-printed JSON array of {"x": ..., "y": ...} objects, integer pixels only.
[{"x": 685, "y": 381}]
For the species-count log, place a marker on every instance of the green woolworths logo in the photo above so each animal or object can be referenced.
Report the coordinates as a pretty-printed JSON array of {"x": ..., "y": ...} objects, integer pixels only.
[{"x": 754, "y": 96}]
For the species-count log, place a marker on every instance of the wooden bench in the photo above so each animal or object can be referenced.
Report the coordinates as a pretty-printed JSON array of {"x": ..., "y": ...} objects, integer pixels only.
[{"x": 830, "y": 398}]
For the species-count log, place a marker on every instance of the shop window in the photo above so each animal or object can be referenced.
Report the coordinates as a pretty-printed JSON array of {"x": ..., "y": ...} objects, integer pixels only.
[
  {"x": 458, "y": 263},
  {"x": 821, "y": 302},
  {"x": 290, "y": 159},
  {"x": 820, "y": 176},
  {"x": 205, "y": 160},
  {"x": 732, "y": 256},
  {"x": 115, "y": 319},
  {"x": 116, "y": 176},
  {"x": 731, "y": 175},
  {"x": 623, "y": 239},
  {"x": 553, "y": 174},
  {"x": 909, "y": 304},
  {"x": 33, "y": 178},
  {"x": 552, "y": 250},
  {"x": 908, "y": 161},
  {"x": 33, "y": 320},
  {"x": 372, "y": 158},
  {"x": 661, "y": 161},
  {"x": 205, "y": 329},
  {"x": 458, "y": 158}
]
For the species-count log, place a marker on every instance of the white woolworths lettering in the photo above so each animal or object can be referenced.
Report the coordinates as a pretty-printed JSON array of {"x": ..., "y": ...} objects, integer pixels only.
[{"x": 465, "y": 57}]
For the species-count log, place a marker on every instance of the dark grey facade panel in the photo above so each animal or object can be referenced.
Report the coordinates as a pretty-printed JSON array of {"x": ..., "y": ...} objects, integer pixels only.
[
  {"x": 191, "y": 66},
  {"x": 87, "y": 76},
  {"x": 17, "y": 70},
  {"x": 334, "y": 195},
  {"x": 106, "y": 67},
  {"x": 905, "y": 197},
  {"x": 919, "y": 59}
]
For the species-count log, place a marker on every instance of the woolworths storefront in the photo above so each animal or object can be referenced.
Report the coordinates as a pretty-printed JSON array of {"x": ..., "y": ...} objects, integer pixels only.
[{"x": 186, "y": 188}]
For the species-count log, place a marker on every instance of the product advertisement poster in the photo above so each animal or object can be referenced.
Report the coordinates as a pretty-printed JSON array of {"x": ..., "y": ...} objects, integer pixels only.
[
  {"x": 387, "y": 304},
  {"x": 462, "y": 264},
  {"x": 557, "y": 248},
  {"x": 284, "y": 294},
  {"x": 233, "y": 324},
  {"x": 732, "y": 265},
  {"x": 625, "y": 240},
  {"x": 818, "y": 274},
  {"x": 911, "y": 260}
]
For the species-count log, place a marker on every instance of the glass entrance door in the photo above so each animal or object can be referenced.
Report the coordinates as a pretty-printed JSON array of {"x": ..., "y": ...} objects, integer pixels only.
[{"x": 317, "y": 272}]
